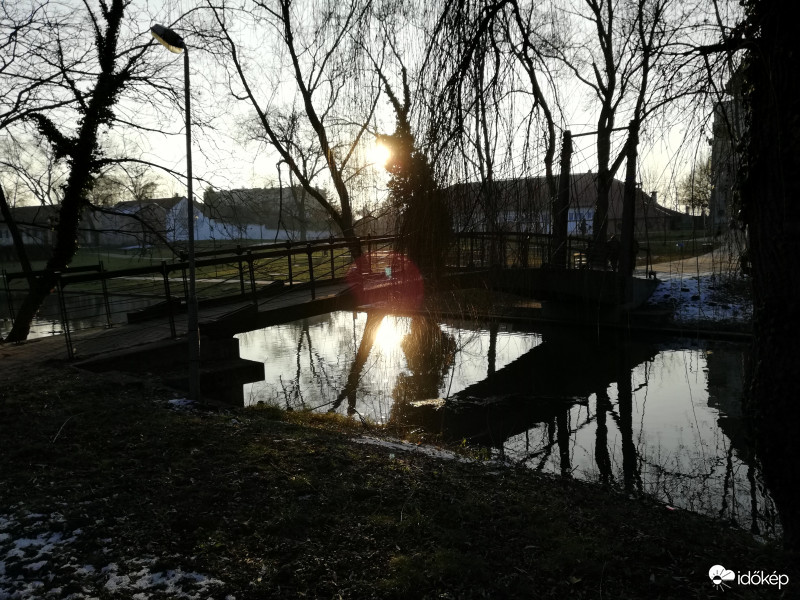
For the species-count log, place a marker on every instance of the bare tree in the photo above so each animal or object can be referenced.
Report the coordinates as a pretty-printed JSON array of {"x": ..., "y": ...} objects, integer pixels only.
[
  {"x": 489, "y": 105},
  {"x": 70, "y": 90},
  {"x": 772, "y": 215},
  {"x": 463, "y": 68},
  {"x": 335, "y": 99},
  {"x": 305, "y": 148},
  {"x": 124, "y": 182},
  {"x": 694, "y": 188},
  {"x": 414, "y": 193},
  {"x": 23, "y": 93}
]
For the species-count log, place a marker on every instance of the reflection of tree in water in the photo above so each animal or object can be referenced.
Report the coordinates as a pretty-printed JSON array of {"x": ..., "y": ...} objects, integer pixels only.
[
  {"x": 631, "y": 469},
  {"x": 430, "y": 352},
  {"x": 294, "y": 397},
  {"x": 350, "y": 388},
  {"x": 601, "y": 455}
]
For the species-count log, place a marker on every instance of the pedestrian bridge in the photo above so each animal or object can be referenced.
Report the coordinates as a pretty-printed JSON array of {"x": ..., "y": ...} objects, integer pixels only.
[{"x": 243, "y": 288}]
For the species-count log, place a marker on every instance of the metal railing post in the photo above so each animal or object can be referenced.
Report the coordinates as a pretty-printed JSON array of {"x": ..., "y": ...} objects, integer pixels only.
[
  {"x": 168, "y": 296},
  {"x": 64, "y": 317},
  {"x": 252, "y": 277},
  {"x": 472, "y": 251},
  {"x": 289, "y": 257},
  {"x": 333, "y": 266},
  {"x": 9, "y": 299},
  {"x": 311, "y": 272},
  {"x": 241, "y": 268},
  {"x": 105, "y": 295}
]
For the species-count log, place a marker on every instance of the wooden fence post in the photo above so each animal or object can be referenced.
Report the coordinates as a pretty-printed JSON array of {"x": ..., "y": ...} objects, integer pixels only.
[
  {"x": 369, "y": 253},
  {"x": 184, "y": 258}
]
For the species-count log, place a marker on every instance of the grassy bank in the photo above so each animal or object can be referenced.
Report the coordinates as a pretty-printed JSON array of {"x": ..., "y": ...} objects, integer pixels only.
[{"x": 109, "y": 489}]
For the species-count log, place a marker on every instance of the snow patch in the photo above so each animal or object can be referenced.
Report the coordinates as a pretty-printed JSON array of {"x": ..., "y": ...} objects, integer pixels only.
[
  {"x": 703, "y": 297},
  {"x": 36, "y": 566},
  {"x": 419, "y": 448},
  {"x": 181, "y": 403},
  {"x": 37, "y": 561}
]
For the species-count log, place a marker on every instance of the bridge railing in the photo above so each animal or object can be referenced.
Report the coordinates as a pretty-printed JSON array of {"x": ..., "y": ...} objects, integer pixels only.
[
  {"x": 511, "y": 249},
  {"x": 92, "y": 296}
]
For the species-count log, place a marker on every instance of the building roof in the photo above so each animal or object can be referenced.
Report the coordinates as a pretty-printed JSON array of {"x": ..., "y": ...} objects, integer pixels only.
[
  {"x": 38, "y": 214},
  {"x": 134, "y": 206},
  {"x": 265, "y": 206},
  {"x": 534, "y": 190}
]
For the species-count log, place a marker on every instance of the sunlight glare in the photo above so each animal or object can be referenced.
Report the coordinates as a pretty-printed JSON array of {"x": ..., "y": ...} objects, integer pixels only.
[
  {"x": 379, "y": 154},
  {"x": 389, "y": 335}
]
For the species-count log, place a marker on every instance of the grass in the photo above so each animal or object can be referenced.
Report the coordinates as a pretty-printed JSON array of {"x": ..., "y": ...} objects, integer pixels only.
[
  {"x": 274, "y": 505},
  {"x": 661, "y": 251},
  {"x": 213, "y": 280}
]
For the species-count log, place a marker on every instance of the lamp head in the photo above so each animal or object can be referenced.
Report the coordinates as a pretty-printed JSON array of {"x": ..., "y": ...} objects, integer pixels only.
[{"x": 168, "y": 38}]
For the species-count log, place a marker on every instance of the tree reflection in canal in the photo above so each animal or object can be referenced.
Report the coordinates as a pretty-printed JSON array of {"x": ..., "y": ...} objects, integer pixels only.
[
  {"x": 602, "y": 458},
  {"x": 660, "y": 420},
  {"x": 630, "y": 468},
  {"x": 350, "y": 388},
  {"x": 429, "y": 354}
]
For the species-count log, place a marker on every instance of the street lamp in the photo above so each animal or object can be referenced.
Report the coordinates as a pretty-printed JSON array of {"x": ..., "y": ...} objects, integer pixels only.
[{"x": 174, "y": 43}]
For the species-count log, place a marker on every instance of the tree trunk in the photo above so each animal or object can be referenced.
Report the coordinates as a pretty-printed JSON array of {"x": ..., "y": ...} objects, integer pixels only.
[
  {"x": 771, "y": 208},
  {"x": 561, "y": 207},
  {"x": 66, "y": 246},
  {"x": 82, "y": 157},
  {"x": 16, "y": 237},
  {"x": 604, "y": 178},
  {"x": 627, "y": 246}
]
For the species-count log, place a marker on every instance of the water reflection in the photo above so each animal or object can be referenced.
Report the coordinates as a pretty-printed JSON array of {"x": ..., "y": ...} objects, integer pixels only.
[
  {"x": 429, "y": 353},
  {"x": 654, "y": 419},
  {"x": 84, "y": 311}
]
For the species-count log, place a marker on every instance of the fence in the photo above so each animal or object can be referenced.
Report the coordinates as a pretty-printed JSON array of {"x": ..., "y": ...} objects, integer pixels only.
[{"x": 91, "y": 296}]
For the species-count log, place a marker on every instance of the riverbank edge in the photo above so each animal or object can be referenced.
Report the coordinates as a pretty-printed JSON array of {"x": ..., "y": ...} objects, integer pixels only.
[{"x": 273, "y": 504}]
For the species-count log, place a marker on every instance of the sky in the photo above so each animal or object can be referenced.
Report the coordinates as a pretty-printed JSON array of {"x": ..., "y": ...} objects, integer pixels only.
[
  {"x": 223, "y": 158},
  {"x": 667, "y": 150}
]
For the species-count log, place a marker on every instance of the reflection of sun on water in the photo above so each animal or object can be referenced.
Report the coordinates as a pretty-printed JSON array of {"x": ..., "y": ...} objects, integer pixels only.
[{"x": 390, "y": 333}]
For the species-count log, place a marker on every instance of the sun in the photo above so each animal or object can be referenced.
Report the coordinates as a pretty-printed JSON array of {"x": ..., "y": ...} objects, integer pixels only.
[{"x": 379, "y": 154}]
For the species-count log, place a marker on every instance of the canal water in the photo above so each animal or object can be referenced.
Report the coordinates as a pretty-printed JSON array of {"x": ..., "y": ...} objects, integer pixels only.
[
  {"x": 661, "y": 419},
  {"x": 84, "y": 311}
]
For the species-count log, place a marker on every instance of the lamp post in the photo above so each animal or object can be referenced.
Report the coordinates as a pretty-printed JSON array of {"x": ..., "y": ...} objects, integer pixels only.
[{"x": 174, "y": 43}]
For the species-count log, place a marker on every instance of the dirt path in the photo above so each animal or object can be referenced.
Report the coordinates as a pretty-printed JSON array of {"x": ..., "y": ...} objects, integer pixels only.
[{"x": 717, "y": 262}]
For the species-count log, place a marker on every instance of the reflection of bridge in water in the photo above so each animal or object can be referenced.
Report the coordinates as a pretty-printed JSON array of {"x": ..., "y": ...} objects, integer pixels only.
[
  {"x": 538, "y": 387},
  {"x": 573, "y": 395}
]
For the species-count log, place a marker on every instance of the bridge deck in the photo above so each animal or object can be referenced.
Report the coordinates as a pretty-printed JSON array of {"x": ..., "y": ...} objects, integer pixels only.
[
  {"x": 98, "y": 341},
  {"x": 243, "y": 314}
]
